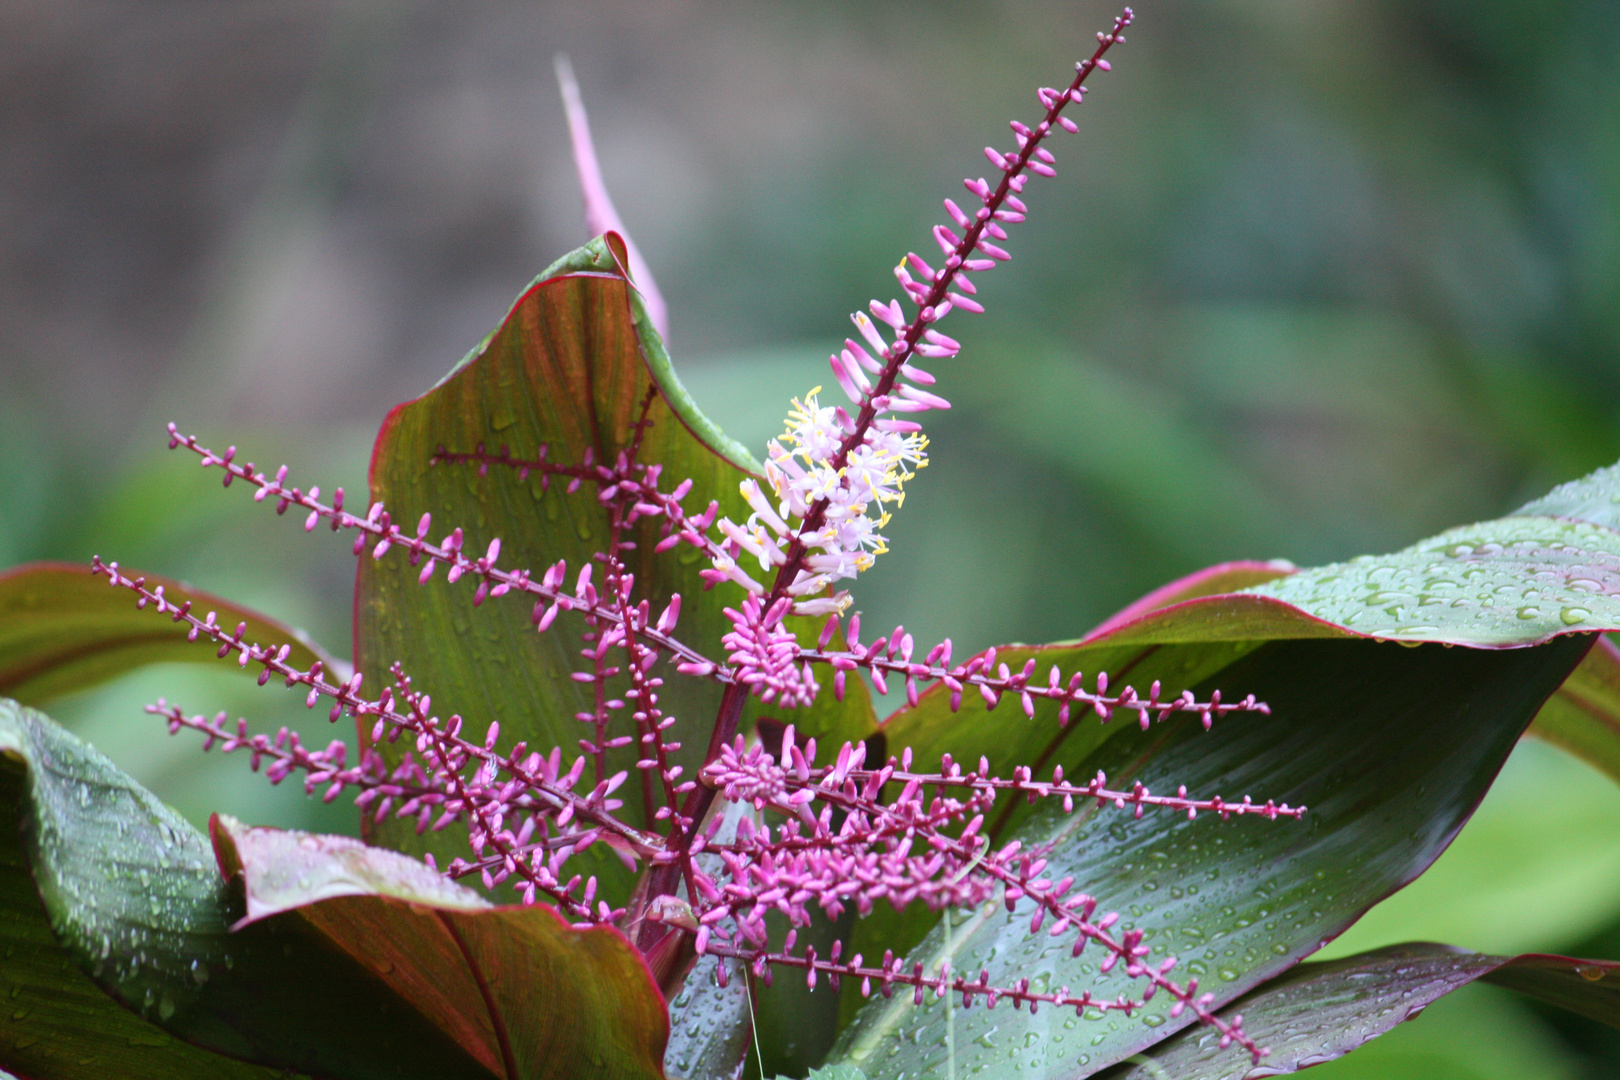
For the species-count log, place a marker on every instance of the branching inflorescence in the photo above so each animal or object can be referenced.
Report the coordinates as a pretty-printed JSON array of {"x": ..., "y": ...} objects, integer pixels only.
[{"x": 842, "y": 833}]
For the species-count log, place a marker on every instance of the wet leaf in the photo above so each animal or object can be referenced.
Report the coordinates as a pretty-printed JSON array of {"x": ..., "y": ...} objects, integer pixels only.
[
  {"x": 134, "y": 896},
  {"x": 62, "y": 629},
  {"x": 1321, "y": 1011},
  {"x": 569, "y": 369},
  {"x": 709, "y": 1026},
  {"x": 1194, "y": 634},
  {"x": 56, "y": 1024},
  {"x": 1551, "y": 567},
  {"x": 1391, "y": 748},
  {"x": 515, "y": 987}
]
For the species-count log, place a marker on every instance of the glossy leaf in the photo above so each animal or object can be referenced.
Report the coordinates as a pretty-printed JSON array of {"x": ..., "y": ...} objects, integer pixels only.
[
  {"x": 57, "y": 1024},
  {"x": 1584, "y": 716},
  {"x": 569, "y": 369},
  {"x": 1552, "y": 566},
  {"x": 1319, "y": 1012},
  {"x": 709, "y": 1026},
  {"x": 63, "y": 629},
  {"x": 1391, "y": 748},
  {"x": 134, "y": 896},
  {"x": 515, "y": 987},
  {"x": 1191, "y": 632}
]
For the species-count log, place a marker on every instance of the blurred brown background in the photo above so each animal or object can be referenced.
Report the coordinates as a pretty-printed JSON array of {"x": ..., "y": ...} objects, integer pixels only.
[{"x": 1315, "y": 279}]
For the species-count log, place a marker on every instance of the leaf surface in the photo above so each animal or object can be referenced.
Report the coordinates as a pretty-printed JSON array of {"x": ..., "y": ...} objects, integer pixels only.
[
  {"x": 1351, "y": 696},
  {"x": 137, "y": 902},
  {"x": 709, "y": 1026},
  {"x": 568, "y": 369},
  {"x": 516, "y": 987},
  {"x": 1319, "y": 1012},
  {"x": 64, "y": 629},
  {"x": 57, "y": 1024},
  {"x": 1390, "y": 747}
]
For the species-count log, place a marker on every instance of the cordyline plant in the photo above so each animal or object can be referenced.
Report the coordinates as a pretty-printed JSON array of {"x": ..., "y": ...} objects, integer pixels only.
[{"x": 603, "y": 814}]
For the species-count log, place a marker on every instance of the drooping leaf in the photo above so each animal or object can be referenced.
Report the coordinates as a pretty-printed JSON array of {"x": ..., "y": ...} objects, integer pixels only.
[
  {"x": 1584, "y": 716},
  {"x": 1321, "y": 1011},
  {"x": 57, "y": 1024},
  {"x": 516, "y": 987},
  {"x": 1391, "y": 748},
  {"x": 569, "y": 369},
  {"x": 134, "y": 896},
  {"x": 63, "y": 629},
  {"x": 1191, "y": 634}
]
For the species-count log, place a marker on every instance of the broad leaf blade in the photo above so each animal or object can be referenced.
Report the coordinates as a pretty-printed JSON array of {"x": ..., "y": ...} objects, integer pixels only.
[
  {"x": 57, "y": 1024},
  {"x": 1246, "y": 643},
  {"x": 1584, "y": 716},
  {"x": 1319, "y": 1012},
  {"x": 1390, "y": 747},
  {"x": 570, "y": 369},
  {"x": 133, "y": 894},
  {"x": 529, "y": 997},
  {"x": 63, "y": 629}
]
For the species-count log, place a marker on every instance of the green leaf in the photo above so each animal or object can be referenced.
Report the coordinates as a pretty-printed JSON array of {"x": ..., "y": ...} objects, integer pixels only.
[
  {"x": 134, "y": 896},
  {"x": 1321, "y": 1011},
  {"x": 569, "y": 369},
  {"x": 709, "y": 1026},
  {"x": 1391, "y": 747},
  {"x": 1584, "y": 716},
  {"x": 56, "y": 1023},
  {"x": 1551, "y": 567},
  {"x": 63, "y": 629},
  {"x": 516, "y": 987},
  {"x": 1343, "y": 736}
]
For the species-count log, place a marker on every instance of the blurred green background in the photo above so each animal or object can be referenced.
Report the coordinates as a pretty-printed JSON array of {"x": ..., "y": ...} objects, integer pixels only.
[{"x": 1317, "y": 278}]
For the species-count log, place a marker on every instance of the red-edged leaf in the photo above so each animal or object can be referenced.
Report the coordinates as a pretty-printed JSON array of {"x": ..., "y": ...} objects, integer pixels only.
[
  {"x": 141, "y": 920},
  {"x": 57, "y": 1024},
  {"x": 1390, "y": 747},
  {"x": 1344, "y": 737},
  {"x": 570, "y": 369},
  {"x": 62, "y": 629},
  {"x": 1317, "y": 1013},
  {"x": 516, "y": 987}
]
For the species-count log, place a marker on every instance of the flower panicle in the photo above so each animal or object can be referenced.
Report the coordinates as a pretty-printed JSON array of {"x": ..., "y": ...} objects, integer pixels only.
[
  {"x": 380, "y": 533},
  {"x": 910, "y": 848},
  {"x": 791, "y": 834},
  {"x": 833, "y": 475},
  {"x": 433, "y": 788}
]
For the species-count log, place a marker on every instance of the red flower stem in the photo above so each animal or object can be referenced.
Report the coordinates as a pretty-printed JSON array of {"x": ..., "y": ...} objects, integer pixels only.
[
  {"x": 381, "y": 528},
  {"x": 347, "y": 698},
  {"x": 901, "y": 350}
]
